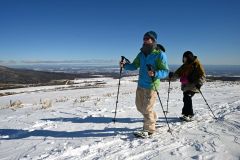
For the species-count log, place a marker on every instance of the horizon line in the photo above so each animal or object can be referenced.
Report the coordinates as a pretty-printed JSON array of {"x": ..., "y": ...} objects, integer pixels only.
[{"x": 99, "y": 61}]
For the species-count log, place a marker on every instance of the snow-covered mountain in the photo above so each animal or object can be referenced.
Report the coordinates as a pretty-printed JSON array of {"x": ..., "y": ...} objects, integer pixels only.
[{"x": 70, "y": 122}]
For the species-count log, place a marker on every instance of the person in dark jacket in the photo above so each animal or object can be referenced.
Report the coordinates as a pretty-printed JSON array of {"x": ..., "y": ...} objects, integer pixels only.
[{"x": 192, "y": 76}]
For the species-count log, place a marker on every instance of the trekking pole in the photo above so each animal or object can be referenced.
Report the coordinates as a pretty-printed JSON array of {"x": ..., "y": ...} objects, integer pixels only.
[
  {"x": 207, "y": 104},
  {"x": 120, "y": 75},
  {"x": 149, "y": 66},
  {"x": 168, "y": 94}
]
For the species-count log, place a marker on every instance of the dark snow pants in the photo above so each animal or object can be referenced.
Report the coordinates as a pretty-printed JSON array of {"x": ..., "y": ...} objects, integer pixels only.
[{"x": 187, "y": 109}]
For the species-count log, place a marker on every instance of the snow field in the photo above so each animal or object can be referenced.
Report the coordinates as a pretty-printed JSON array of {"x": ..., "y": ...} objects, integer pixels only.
[{"x": 79, "y": 124}]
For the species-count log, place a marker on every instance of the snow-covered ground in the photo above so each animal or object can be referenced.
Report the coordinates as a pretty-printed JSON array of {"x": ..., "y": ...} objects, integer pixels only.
[{"x": 79, "y": 124}]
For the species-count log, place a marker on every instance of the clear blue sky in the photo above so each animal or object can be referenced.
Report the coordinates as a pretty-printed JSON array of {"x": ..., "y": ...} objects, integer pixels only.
[{"x": 59, "y": 30}]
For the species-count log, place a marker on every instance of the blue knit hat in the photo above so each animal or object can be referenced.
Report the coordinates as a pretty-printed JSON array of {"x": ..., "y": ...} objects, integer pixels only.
[{"x": 151, "y": 34}]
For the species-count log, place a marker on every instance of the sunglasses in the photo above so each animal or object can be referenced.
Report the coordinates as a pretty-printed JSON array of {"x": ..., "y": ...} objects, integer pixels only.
[{"x": 146, "y": 38}]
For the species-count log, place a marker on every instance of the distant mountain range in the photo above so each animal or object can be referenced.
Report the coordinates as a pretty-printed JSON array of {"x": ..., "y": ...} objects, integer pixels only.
[
  {"x": 16, "y": 77},
  {"x": 87, "y": 61},
  {"x": 26, "y": 76}
]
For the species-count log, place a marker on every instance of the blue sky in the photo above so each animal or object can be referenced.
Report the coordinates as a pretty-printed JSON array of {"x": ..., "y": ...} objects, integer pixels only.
[{"x": 58, "y": 30}]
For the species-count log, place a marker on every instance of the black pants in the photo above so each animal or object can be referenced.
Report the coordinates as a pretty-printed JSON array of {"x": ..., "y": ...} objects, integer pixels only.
[{"x": 187, "y": 100}]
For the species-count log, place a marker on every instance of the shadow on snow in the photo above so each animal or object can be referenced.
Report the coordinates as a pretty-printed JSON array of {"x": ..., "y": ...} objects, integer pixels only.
[
  {"x": 11, "y": 134},
  {"x": 8, "y": 134},
  {"x": 170, "y": 120},
  {"x": 94, "y": 120}
]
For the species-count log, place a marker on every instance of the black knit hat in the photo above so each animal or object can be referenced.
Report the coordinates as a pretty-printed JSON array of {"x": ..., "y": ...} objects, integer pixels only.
[
  {"x": 151, "y": 34},
  {"x": 189, "y": 55}
]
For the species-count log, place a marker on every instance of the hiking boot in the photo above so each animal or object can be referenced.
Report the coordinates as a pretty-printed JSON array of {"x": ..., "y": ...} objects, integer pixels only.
[
  {"x": 186, "y": 118},
  {"x": 143, "y": 134}
]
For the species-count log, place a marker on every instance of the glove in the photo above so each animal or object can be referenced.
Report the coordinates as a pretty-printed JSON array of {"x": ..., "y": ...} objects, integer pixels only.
[
  {"x": 170, "y": 75},
  {"x": 198, "y": 86},
  {"x": 151, "y": 73},
  {"x": 121, "y": 64}
]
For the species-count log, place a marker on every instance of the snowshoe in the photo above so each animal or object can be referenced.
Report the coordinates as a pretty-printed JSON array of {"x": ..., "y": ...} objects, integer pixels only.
[
  {"x": 143, "y": 134},
  {"x": 186, "y": 118}
]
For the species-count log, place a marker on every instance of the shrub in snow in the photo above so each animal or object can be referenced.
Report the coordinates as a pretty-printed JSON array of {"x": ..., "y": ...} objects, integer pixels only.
[
  {"x": 84, "y": 98},
  {"x": 16, "y": 104},
  {"x": 62, "y": 99},
  {"x": 97, "y": 101},
  {"x": 109, "y": 94},
  {"x": 46, "y": 103}
]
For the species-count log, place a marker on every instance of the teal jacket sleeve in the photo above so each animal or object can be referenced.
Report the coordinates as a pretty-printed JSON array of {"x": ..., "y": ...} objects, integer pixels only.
[
  {"x": 133, "y": 66},
  {"x": 162, "y": 69}
]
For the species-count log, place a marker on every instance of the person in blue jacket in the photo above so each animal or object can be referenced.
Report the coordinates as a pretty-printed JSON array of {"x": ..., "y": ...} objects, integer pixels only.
[{"x": 146, "y": 95}]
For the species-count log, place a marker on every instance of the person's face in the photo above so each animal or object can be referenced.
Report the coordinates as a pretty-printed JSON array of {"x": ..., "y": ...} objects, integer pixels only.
[
  {"x": 147, "y": 40},
  {"x": 184, "y": 59}
]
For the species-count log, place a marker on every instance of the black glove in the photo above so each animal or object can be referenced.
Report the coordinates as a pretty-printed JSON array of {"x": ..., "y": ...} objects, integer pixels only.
[
  {"x": 170, "y": 75},
  {"x": 198, "y": 86}
]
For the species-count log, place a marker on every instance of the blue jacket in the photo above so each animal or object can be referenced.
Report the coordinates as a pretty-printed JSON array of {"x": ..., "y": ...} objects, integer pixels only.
[{"x": 159, "y": 62}]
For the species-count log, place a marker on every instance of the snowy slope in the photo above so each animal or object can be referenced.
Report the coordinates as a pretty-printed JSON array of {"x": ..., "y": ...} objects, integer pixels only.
[{"x": 79, "y": 124}]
